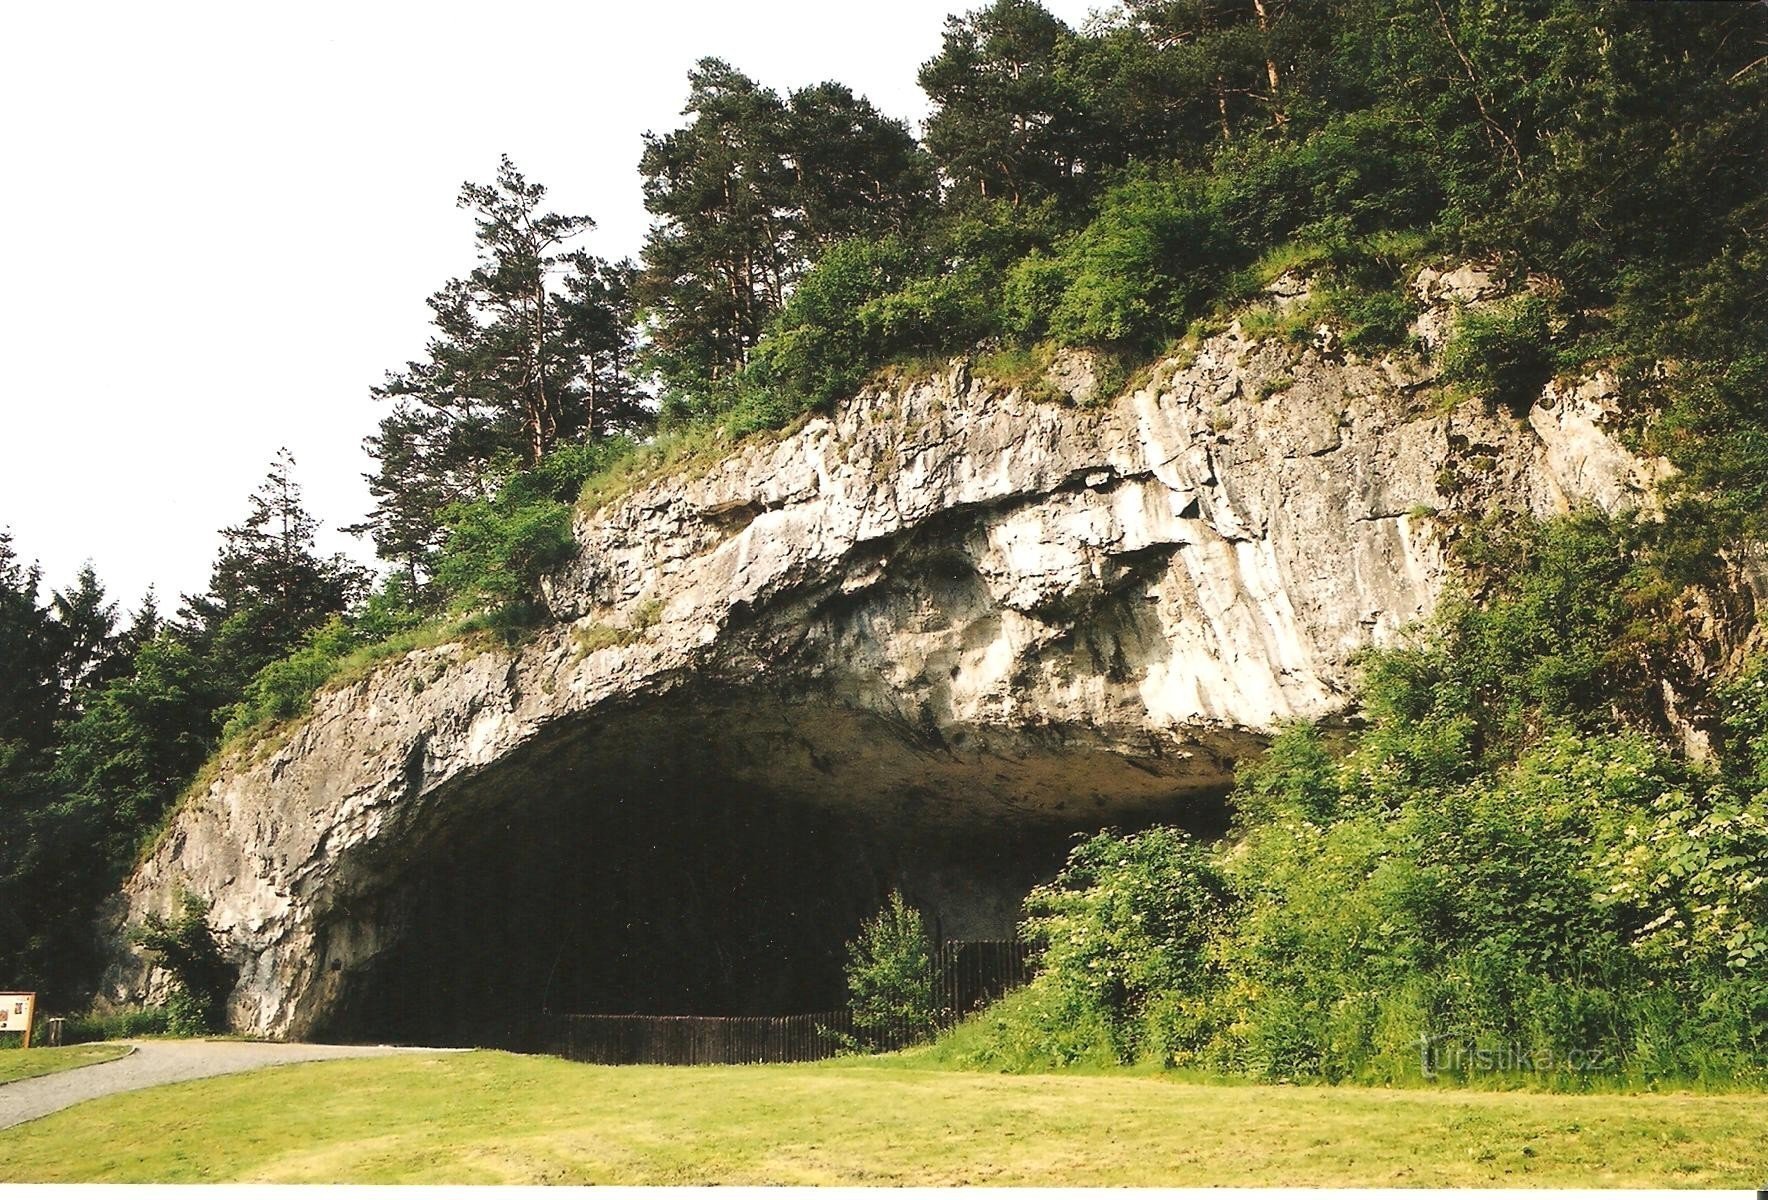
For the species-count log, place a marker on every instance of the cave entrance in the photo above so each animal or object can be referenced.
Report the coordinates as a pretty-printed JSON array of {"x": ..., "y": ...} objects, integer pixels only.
[{"x": 659, "y": 880}]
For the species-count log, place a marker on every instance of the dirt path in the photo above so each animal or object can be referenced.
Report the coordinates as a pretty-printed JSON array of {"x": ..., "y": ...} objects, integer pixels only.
[{"x": 154, "y": 1063}]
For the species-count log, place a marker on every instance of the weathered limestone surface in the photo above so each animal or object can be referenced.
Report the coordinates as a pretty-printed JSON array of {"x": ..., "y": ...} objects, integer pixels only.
[{"x": 945, "y": 603}]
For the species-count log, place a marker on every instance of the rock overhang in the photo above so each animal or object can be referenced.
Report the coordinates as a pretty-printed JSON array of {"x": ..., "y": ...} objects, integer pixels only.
[{"x": 944, "y": 608}]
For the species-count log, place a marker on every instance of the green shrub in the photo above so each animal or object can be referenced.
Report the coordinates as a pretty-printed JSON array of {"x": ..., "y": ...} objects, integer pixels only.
[
  {"x": 116, "y": 1026},
  {"x": 497, "y": 550},
  {"x": 184, "y": 945},
  {"x": 1696, "y": 866},
  {"x": 1297, "y": 774},
  {"x": 890, "y": 983},
  {"x": 1360, "y": 173},
  {"x": 1494, "y": 878},
  {"x": 944, "y": 312},
  {"x": 1371, "y": 318},
  {"x": 1742, "y": 704},
  {"x": 1359, "y": 285},
  {"x": 828, "y": 338},
  {"x": 284, "y": 689},
  {"x": 1502, "y": 352},
  {"x": 1136, "y": 274},
  {"x": 1123, "y": 926},
  {"x": 1019, "y": 366},
  {"x": 1038, "y": 1027}
]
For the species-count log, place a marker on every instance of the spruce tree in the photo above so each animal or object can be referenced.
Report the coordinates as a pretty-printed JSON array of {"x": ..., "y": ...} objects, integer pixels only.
[{"x": 268, "y": 588}]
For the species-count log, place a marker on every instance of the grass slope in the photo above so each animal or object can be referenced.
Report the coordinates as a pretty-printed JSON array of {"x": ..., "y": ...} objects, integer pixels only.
[
  {"x": 500, "y": 1118},
  {"x": 47, "y": 1060}
]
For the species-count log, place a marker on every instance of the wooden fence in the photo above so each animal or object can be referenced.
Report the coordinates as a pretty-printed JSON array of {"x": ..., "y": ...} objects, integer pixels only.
[
  {"x": 969, "y": 975},
  {"x": 699, "y": 1041},
  {"x": 966, "y": 976}
]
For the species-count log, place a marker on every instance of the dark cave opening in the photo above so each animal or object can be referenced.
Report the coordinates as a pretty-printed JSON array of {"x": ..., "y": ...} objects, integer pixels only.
[{"x": 570, "y": 885}]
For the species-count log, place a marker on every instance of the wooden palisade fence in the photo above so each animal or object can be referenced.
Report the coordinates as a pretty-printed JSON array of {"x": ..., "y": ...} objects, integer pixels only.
[{"x": 966, "y": 976}]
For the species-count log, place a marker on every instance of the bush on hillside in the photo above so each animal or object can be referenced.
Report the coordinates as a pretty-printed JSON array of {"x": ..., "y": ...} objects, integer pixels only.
[
  {"x": 185, "y": 946},
  {"x": 1502, "y": 352},
  {"x": 1122, "y": 932},
  {"x": 1499, "y": 875},
  {"x": 1134, "y": 276}
]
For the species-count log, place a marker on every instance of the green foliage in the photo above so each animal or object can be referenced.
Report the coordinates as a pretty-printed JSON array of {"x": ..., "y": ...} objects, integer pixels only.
[
  {"x": 498, "y": 550},
  {"x": 750, "y": 191},
  {"x": 1122, "y": 931},
  {"x": 284, "y": 688},
  {"x": 872, "y": 301},
  {"x": 533, "y": 349},
  {"x": 1022, "y": 367},
  {"x": 1297, "y": 775},
  {"x": 495, "y": 553},
  {"x": 827, "y": 338},
  {"x": 1359, "y": 174},
  {"x": 1039, "y": 1027},
  {"x": 184, "y": 945},
  {"x": 1371, "y": 318},
  {"x": 1358, "y": 285},
  {"x": 1743, "y": 723},
  {"x": 117, "y": 1025},
  {"x": 1498, "y": 876},
  {"x": 1577, "y": 630},
  {"x": 1697, "y": 861},
  {"x": 1501, "y": 352},
  {"x": 1135, "y": 275},
  {"x": 268, "y": 588},
  {"x": 999, "y": 65},
  {"x": 890, "y": 984}
]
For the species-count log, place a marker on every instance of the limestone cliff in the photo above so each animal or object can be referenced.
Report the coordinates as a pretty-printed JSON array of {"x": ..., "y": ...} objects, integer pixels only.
[{"x": 945, "y": 606}]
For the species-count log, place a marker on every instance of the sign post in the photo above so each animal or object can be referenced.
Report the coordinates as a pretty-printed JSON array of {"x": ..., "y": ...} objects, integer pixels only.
[{"x": 17, "y": 1011}]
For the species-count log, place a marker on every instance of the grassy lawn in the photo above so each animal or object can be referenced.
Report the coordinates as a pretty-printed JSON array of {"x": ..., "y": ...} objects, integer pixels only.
[
  {"x": 499, "y": 1118},
  {"x": 46, "y": 1060}
]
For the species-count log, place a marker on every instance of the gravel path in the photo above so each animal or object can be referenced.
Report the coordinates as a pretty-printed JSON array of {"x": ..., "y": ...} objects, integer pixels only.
[{"x": 154, "y": 1063}]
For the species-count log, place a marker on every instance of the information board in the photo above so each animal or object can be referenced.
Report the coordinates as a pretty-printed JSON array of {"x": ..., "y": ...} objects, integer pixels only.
[{"x": 17, "y": 1010}]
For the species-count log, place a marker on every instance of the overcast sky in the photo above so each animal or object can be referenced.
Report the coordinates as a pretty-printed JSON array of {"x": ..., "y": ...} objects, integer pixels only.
[{"x": 221, "y": 222}]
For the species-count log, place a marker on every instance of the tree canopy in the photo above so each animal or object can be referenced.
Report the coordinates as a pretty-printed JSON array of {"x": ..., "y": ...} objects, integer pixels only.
[
  {"x": 747, "y": 194},
  {"x": 532, "y": 347}
]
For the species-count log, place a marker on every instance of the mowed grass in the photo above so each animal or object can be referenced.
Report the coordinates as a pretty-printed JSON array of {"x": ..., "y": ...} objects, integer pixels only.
[
  {"x": 500, "y": 1118},
  {"x": 47, "y": 1060}
]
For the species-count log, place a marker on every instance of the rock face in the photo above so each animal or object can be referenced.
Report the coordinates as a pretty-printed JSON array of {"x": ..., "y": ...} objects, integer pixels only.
[{"x": 945, "y": 609}]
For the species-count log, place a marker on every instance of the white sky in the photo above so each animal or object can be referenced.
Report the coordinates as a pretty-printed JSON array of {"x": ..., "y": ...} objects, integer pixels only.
[{"x": 220, "y": 223}]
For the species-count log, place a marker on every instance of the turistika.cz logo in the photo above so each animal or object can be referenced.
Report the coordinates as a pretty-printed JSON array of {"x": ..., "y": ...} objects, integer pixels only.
[{"x": 1439, "y": 1053}]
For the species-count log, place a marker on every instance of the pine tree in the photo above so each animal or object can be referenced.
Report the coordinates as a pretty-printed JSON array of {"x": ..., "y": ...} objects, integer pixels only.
[
  {"x": 747, "y": 194},
  {"x": 533, "y": 347},
  {"x": 143, "y": 626},
  {"x": 1007, "y": 114},
  {"x": 30, "y": 689}
]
